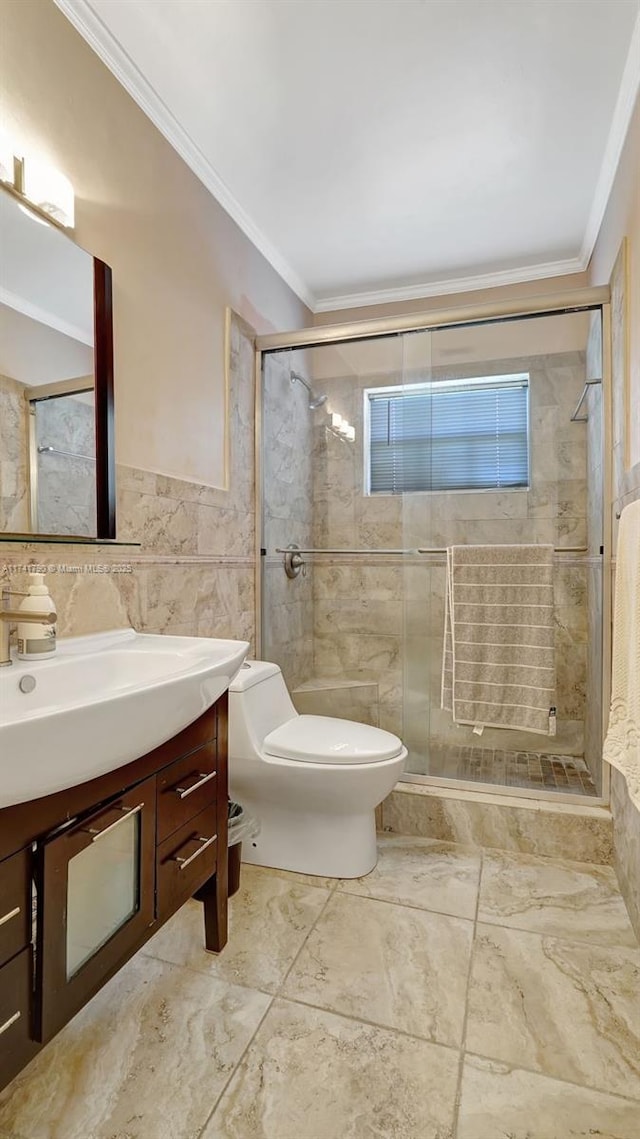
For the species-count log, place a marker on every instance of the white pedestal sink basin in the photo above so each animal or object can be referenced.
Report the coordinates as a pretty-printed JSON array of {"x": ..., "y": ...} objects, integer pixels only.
[{"x": 102, "y": 701}]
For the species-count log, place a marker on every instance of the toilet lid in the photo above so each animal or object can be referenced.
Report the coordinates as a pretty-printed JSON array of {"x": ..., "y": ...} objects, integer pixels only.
[{"x": 324, "y": 739}]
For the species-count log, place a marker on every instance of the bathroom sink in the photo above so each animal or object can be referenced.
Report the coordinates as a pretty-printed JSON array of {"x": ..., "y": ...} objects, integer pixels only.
[{"x": 102, "y": 701}]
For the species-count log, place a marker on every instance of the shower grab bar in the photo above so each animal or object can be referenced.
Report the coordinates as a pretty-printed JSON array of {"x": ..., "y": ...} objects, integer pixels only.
[
  {"x": 69, "y": 454},
  {"x": 417, "y": 550},
  {"x": 575, "y": 418}
]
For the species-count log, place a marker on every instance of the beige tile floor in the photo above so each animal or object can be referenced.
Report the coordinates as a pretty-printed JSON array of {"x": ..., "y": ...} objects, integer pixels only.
[{"x": 451, "y": 994}]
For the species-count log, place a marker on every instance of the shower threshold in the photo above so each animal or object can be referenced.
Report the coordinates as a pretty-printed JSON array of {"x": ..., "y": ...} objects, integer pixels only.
[{"x": 513, "y": 772}]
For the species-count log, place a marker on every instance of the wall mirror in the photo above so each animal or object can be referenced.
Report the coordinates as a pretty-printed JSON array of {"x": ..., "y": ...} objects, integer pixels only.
[{"x": 57, "y": 463}]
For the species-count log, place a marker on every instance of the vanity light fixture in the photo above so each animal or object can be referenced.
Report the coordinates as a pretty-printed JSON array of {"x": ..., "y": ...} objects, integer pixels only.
[
  {"x": 41, "y": 188},
  {"x": 49, "y": 190}
]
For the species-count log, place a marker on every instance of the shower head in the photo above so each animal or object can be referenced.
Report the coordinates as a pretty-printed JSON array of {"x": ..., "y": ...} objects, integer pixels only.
[{"x": 314, "y": 400}]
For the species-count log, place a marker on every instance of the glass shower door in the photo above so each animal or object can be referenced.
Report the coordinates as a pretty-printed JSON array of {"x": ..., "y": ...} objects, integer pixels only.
[
  {"x": 423, "y": 582},
  {"x": 63, "y": 464},
  {"x": 505, "y": 462},
  {"x": 336, "y": 629}
]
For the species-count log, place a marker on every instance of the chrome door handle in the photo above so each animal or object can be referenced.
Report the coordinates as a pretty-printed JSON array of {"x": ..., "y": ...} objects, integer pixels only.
[
  {"x": 11, "y": 914},
  {"x": 184, "y": 862},
  {"x": 129, "y": 811},
  {"x": 203, "y": 778},
  {"x": 12, "y": 1020}
]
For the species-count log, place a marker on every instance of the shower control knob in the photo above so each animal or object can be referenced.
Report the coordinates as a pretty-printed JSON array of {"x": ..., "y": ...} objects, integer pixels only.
[{"x": 294, "y": 561}]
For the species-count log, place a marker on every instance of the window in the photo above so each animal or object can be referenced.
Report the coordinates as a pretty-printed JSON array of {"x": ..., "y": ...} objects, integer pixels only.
[{"x": 448, "y": 435}]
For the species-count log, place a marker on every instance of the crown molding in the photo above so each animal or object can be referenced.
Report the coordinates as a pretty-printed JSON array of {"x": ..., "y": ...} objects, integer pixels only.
[
  {"x": 108, "y": 49},
  {"x": 444, "y": 286},
  {"x": 43, "y": 316},
  {"x": 622, "y": 114}
]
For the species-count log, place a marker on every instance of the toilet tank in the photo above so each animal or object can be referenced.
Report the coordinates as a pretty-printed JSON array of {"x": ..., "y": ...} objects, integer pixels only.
[{"x": 258, "y": 703}]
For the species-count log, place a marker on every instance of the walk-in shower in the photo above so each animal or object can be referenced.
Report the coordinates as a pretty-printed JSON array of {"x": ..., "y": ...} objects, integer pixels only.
[{"x": 481, "y": 427}]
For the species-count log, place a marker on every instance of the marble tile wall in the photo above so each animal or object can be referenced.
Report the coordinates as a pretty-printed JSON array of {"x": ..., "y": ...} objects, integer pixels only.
[
  {"x": 364, "y": 614},
  {"x": 14, "y": 486},
  {"x": 287, "y": 426},
  {"x": 526, "y": 826},
  {"x": 193, "y": 572},
  {"x": 347, "y": 699}
]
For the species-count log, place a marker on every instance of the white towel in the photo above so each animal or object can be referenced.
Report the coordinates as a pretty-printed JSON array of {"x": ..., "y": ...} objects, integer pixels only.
[
  {"x": 622, "y": 745},
  {"x": 498, "y": 661}
]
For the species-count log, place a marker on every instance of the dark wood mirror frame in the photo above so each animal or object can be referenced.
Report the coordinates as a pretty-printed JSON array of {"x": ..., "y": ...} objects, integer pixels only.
[
  {"x": 104, "y": 405},
  {"x": 104, "y": 408}
]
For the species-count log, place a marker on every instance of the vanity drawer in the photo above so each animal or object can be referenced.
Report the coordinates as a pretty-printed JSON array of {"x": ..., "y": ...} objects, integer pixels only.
[
  {"x": 185, "y": 788},
  {"x": 16, "y": 1045},
  {"x": 15, "y": 904},
  {"x": 185, "y": 861}
]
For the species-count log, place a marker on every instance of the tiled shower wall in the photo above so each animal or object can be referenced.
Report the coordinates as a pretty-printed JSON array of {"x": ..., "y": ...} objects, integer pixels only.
[
  {"x": 358, "y": 606},
  {"x": 287, "y": 424},
  {"x": 193, "y": 572},
  {"x": 66, "y": 485}
]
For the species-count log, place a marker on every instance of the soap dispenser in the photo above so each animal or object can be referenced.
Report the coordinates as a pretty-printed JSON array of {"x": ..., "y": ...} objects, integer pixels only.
[{"x": 35, "y": 640}]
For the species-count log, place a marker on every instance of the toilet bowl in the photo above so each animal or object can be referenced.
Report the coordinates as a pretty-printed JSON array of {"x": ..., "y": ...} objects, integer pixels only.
[{"x": 313, "y": 781}]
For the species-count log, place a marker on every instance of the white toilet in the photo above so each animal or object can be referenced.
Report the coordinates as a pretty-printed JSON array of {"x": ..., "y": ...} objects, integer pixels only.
[{"x": 313, "y": 781}]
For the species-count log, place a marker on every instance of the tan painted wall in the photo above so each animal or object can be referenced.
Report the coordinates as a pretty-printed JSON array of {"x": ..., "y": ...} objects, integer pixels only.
[
  {"x": 456, "y": 300},
  {"x": 622, "y": 218},
  {"x": 177, "y": 257}
]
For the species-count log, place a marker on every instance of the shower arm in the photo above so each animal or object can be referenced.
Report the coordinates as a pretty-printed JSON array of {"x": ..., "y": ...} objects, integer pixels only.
[{"x": 296, "y": 378}]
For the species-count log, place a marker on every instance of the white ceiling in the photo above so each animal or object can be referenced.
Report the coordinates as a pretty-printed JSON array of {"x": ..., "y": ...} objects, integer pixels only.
[{"x": 383, "y": 149}]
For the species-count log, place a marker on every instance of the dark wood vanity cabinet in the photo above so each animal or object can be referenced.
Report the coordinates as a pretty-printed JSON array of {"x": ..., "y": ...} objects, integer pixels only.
[
  {"x": 89, "y": 874},
  {"x": 15, "y": 905},
  {"x": 16, "y": 965}
]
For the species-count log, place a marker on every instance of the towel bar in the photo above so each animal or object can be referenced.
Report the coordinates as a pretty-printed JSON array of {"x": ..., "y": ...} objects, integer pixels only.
[
  {"x": 436, "y": 550},
  {"x": 575, "y": 418}
]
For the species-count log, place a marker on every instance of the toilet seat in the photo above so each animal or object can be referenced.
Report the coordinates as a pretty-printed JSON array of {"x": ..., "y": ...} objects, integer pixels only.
[{"x": 325, "y": 739}]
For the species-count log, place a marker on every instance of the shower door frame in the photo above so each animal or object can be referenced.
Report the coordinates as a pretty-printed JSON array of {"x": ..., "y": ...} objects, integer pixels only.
[
  {"x": 552, "y": 304},
  {"x": 37, "y": 394}
]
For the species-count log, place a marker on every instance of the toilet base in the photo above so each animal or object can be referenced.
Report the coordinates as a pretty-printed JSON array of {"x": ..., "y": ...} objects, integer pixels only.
[{"x": 331, "y": 846}]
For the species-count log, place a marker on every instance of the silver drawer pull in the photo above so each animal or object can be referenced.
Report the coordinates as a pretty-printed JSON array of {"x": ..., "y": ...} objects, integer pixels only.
[
  {"x": 184, "y": 862},
  {"x": 129, "y": 811},
  {"x": 12, "y": 1020},
  {"x": 182, "y": 792},
  {"x": 11, "y": 914}
]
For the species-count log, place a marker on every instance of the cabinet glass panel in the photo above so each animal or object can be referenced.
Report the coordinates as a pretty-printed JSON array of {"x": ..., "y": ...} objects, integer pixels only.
[{"x": 102, "y": 891}]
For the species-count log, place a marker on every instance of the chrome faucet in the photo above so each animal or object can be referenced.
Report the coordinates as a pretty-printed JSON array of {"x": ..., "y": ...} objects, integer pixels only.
[{"x": 10, "y": 616}]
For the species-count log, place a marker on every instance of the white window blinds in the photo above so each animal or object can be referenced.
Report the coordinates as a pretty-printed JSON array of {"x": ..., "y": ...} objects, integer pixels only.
[{"x": 448, "y": 435}]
